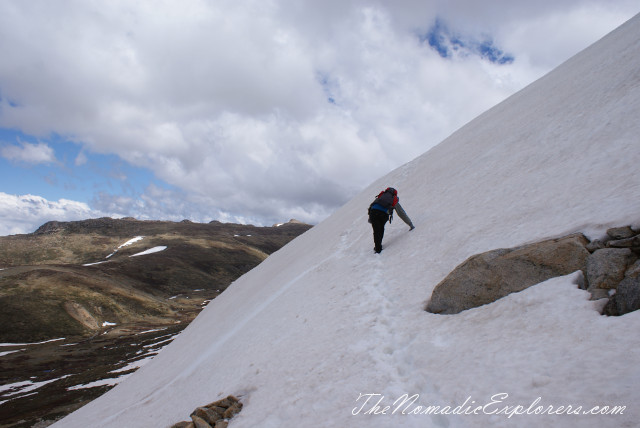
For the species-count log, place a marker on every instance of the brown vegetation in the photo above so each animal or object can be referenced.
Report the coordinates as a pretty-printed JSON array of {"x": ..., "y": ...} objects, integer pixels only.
[{"x": 50, "y": 286}]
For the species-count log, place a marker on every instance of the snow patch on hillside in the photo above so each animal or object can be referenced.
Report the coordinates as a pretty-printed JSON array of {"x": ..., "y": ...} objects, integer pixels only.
[
  {"x": 129, "y": 242},
  {"x": 150, "y": 251}
]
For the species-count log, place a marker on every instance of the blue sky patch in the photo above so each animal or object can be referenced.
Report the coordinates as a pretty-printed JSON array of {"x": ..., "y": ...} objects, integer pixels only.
[
  {"x": 329, "y": 86},
  {"x": 449, "y": 44},
  {"x": 72, "y": 172}
]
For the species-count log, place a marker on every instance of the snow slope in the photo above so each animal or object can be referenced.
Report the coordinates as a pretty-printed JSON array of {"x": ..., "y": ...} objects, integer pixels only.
[{"x": 305, "y": 336}]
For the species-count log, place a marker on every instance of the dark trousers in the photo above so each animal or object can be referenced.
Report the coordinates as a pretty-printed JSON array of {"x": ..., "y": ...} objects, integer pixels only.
[{"x": 378, "y": 219}]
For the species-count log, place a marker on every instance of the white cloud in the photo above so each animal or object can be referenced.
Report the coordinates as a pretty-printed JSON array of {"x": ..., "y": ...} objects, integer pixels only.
[
  {"x": 269, "y": 110},
  {"x": 81, "y": 159},
  {"x": 29, "y": 153},
  {"x": 544, "y": 40},
  {"x": 24, "y": 213}
]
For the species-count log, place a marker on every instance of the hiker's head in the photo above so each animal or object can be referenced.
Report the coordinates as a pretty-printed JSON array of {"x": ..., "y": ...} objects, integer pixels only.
[{"x": 393, "y": 191}]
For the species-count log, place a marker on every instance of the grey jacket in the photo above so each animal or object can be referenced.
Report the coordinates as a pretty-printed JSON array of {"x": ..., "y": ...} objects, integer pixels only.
[{"x": 403, "y": 215}]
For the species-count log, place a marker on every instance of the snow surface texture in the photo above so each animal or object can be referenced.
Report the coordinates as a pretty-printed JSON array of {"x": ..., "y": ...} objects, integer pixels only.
[{"x": 324, "y": 320}]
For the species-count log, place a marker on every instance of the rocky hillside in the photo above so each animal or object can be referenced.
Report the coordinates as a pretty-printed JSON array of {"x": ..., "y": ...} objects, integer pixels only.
[{"x": 84, "y": 277}]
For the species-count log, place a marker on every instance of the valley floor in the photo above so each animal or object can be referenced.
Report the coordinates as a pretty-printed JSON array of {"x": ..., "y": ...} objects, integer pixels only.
[{"x": 42, "y": 382}]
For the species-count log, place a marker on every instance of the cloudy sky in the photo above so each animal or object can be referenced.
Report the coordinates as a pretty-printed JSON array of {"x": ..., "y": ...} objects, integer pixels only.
[{"x": 252, "y": 111}]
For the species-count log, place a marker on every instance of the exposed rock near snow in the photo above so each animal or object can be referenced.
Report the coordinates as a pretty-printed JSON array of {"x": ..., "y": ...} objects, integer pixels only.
[
  {"x": 606, "y": 267},
  {"x": 625, "y": 232},
  {"x": 489, "y": 276},
  {"x": 633, "y": 242},
  {"x": 627, "y": 297},
  {"x": 213, "y": 415}
]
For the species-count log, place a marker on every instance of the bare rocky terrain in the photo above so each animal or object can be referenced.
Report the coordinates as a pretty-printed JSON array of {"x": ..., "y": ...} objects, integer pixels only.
[{"x": 81, "y": 306}]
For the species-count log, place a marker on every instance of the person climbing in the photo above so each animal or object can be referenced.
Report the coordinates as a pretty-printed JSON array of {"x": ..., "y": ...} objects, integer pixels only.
[{"x": 381, "y": 210}]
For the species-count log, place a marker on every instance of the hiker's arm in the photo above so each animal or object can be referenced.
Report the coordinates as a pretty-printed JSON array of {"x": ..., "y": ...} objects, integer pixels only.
[{"x": 403, "y": 215}]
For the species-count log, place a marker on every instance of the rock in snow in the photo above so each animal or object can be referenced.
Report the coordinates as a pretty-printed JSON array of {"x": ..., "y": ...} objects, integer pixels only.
[
  {"x": 606, "y": 267},
  {"x": 489, "y": 276},
  {"x": 627, "y": 297},
  {"x": 213, "y": 415}
]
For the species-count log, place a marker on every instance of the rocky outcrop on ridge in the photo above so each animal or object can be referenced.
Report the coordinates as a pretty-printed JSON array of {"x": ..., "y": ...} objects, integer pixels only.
[
  {"x": 610, "y": 267},
  {"x": 213, "y": 415}
]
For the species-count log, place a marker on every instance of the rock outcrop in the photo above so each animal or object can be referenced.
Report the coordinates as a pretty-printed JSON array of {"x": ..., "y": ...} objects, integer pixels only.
[
  {"x": 213, "y": 415},
  {"x": 486, "y": 277},
  {"x": 610, "y": 267},
  {"x": 627, "y": 296},
  {"x": 606, "y": 268}
]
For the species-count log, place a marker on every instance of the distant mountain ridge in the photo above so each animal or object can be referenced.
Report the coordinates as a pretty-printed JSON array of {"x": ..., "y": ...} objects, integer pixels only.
[{"x": 108, "y": 224}]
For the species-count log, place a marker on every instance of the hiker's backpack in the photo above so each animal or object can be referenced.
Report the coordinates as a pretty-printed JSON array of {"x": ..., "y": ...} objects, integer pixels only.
[{"x": 387, "y": 199}]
